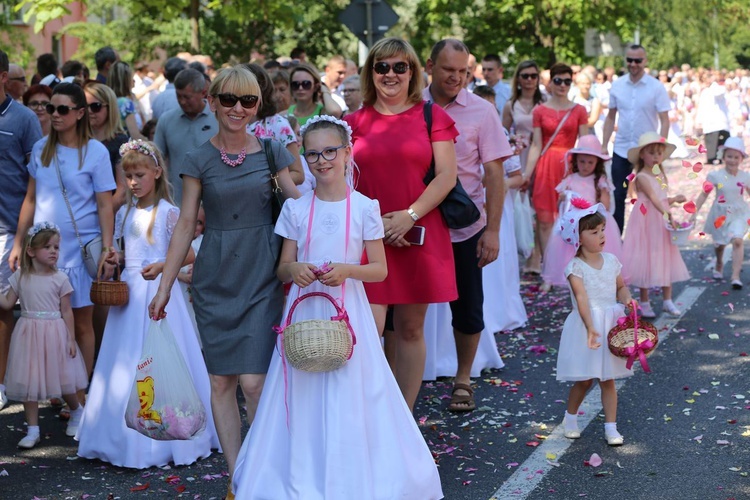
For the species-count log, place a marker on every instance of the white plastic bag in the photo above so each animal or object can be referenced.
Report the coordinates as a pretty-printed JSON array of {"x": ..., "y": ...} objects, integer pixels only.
[
  {"x": 164, "y": 404},
  {"x": 523, "y": 217}
]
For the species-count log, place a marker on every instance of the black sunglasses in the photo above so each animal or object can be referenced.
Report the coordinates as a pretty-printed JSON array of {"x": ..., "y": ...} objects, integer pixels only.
[
  {"x": 382, "y": 68},
  {"x": 562, "y": 81},
  {"x": 529, "y": 76},
  {"x": 637, "y": 60},
  {"x": 95, "y": 107},
  {"x": 230, "y": 100},
  {"x": 304, "y": 84},
  {"x": 62, "y": 110},
  {"x": 329, "y": 154}
]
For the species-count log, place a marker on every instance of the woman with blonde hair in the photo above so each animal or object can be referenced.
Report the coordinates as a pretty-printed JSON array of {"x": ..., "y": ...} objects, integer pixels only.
[
  {"x": 236, "y": 295},
  {"x": 121, "y": 81},
  {"x": 394, "y": 149}
]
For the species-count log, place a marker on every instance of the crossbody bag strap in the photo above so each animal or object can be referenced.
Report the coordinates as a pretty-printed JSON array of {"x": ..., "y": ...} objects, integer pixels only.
[
  {"x": 276, "y": 188},
  {"x": 554, "y": 134},
  {"x": 70, "y": 210},
  {"x": 427, "y": 110}
]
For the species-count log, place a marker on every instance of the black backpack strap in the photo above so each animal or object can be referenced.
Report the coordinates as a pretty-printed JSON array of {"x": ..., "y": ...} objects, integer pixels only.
[{"x": 428, "y": 117}]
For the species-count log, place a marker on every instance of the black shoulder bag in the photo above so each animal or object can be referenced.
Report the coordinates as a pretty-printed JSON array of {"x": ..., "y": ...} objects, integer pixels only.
[
  {"x": 458, "y": 209},
  {"x": 277, "y": 201}
]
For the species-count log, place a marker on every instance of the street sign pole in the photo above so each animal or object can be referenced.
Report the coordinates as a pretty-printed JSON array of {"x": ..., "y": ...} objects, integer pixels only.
[{"x": 368, "y": 21}]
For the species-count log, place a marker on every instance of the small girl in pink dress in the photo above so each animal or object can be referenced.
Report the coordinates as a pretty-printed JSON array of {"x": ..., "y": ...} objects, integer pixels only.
[
  {"x": 44, "y": 360},
  {"x": 586, "y": 178},
  {"x": 647, "y": 250}
]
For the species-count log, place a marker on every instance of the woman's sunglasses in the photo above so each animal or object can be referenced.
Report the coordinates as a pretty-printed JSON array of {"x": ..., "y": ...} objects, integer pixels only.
[
  {"x": 95, "y": 107},
  {"x": 529, "y": 76},
  {"x": 562, "y": 81},
  {"x": 382, "y": 68},
  {"x": 304, "y": 84},
  {"x": 230, "y": 100},
  {"x": 62, "y": 110}
]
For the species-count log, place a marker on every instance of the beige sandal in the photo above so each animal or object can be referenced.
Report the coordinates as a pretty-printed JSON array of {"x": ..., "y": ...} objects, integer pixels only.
[{"x": 459, "y": 402}]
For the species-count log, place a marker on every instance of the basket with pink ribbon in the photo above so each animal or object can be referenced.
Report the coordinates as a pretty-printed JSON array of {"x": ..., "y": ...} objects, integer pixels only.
[{"x": 632, "y": 338}]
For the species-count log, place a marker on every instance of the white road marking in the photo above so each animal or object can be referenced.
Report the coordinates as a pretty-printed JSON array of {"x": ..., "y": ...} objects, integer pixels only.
[{"x": 529, "y": 474}]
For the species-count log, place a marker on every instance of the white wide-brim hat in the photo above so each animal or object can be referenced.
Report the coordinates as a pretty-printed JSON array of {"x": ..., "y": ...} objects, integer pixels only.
[
  {"x": 645, "y": 140},
  {"x": 735, "y": 143},
  {"x": 569, "y": 221}
]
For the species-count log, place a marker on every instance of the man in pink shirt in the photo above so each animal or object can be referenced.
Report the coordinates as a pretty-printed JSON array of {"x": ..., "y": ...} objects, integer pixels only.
[{"x": 481, "y": 143}]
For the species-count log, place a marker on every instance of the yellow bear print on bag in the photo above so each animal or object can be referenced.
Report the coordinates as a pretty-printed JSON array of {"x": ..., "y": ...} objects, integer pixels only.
[{"x": 146, "y": 398}]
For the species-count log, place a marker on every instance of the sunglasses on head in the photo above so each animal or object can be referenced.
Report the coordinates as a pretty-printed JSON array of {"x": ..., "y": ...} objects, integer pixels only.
[
  {"x": 562, "y": 81},
  {"x": 62, "y": 110},
  {"x": 95, "y": 107},
  {"x": 529, "y": 76},
  {"x": 304, "y": 84},
  {"x": 636, "y": 60},
  {"x": 230, "y": 100},
  {"x": 382, "y": 68}
]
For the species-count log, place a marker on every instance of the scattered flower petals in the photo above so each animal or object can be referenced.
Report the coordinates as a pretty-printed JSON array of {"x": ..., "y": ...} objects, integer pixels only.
[
  {"x": 720, "y": 221},
  {"x": 643, "y": 209},
  {"x": 707, "y": 187},
  {"x": 689, "y": 207},
  {"x": 594, "y": 461},
  {"x": 140, "y": 487}
]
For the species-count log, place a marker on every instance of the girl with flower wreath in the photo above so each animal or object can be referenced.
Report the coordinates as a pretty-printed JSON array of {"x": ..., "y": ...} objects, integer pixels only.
[
  {"x": 146, "y": 223},
  {"x": 44, "y": 360},
  {"x": 345, "y": 433}
]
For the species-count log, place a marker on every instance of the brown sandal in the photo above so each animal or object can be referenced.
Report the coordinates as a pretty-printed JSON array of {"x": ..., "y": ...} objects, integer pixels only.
[{"x": 460, "y": 403}]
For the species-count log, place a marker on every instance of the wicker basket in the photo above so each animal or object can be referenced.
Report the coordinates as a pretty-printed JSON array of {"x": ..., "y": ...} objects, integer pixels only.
[
  {"x": 679, "y": 235},
  {"x": 624, "y": 344},
  {"x": 318, "y": 345},
  {"x": 110, "y": 293}
]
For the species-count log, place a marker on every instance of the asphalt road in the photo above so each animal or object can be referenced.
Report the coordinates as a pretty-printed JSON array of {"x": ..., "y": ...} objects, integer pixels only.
[{"x": 686, "y": 424}]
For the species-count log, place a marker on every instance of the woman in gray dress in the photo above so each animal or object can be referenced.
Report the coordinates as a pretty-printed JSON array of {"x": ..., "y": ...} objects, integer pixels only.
[{"x": 236, "y": 295}]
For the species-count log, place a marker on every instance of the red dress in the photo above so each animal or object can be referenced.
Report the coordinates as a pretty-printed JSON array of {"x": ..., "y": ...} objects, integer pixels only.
[
  {"x": 393, "y": 153},
  {"x": 550, "y": 168}
]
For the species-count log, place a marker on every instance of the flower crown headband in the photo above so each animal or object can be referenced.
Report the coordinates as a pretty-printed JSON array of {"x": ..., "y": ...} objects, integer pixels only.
[
  {"x": 330, "y": 119},
  {"x": 140, "y": 146},
  {"x": 43, "y": 226}
]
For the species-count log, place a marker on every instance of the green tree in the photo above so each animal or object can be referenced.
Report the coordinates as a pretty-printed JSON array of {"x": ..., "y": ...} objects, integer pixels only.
[{"x": 13, "y": 41}]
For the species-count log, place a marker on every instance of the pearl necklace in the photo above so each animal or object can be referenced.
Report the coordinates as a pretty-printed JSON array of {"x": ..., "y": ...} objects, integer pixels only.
[{"x": 232, "y": 163}]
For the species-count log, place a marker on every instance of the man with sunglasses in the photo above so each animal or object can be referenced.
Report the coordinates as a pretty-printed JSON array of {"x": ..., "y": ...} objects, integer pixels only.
[
  {"x": 19, "y": 130},
  {"x": 643, "y": 106},
  {"x": 16, "y": 84},
  {"x": 187, "y": 127},
  {"x": 481, "y": 144}
]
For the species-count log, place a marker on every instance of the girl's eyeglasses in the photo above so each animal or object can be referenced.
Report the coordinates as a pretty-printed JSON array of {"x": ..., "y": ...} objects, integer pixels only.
[
  {"x": 562, "y": 81},
  {"x": 304, "y": 84},
  {"x": 382, "y": 68},
  {"x": 312, "y": 157},
  {"x": 230, "y": 100},
  {"x": 95, "y": 107},
  {"x": 62, "y": 110},
  {"x": 529, "y": 76},
  {"x": 38, "y": 104}
]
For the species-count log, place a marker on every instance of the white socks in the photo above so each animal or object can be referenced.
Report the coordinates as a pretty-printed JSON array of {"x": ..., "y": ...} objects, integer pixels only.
[
  {"x": 610, "y": 429},
  {"x": 571, "y": 422},
  {"x": 669, "y": 304},
  {"x": 32, "y": 431}
]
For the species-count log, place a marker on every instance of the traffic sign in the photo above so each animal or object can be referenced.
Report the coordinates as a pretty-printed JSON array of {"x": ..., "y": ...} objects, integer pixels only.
[{"x": 368, "y": 19}]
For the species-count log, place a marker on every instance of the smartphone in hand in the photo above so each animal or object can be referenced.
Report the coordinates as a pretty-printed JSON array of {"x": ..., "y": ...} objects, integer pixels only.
[{"x": 415, "y": 235}]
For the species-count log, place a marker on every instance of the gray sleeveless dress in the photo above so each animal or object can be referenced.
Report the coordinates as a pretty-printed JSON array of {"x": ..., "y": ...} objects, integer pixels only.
[{"x": 236, "y": 295}]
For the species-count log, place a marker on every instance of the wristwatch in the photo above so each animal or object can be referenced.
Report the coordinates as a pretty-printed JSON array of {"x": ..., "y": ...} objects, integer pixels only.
[{"x": 412, "y": 214}]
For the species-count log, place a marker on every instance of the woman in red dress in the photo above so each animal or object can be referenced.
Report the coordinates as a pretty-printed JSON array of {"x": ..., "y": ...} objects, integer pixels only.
[
  {"x": 393, "y": 150},
  {"x": 546, "y": 163}
]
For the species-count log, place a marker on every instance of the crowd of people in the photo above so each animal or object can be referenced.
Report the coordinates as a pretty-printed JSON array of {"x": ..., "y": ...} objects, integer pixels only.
[{"x": 212, "y": 188}]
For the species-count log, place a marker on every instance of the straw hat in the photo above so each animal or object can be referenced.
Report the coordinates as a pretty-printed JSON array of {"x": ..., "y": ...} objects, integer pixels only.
[
  {"x": 645, "y": 140},
  {"x": 587, "y": 145},
  {"x": 735, "y": 143},
  {"x": 580, "y": 208}
]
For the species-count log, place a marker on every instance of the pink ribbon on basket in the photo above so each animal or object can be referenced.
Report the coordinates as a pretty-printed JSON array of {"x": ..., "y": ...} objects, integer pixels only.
[{"x": 639, "y": 348}]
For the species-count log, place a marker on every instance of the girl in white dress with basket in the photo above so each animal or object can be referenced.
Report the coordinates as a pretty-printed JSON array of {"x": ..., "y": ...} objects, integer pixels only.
[
  {"x": 596, "y": 286},
  {"x": 145, "y": 223},
  {"x": 344, "y": 433}
]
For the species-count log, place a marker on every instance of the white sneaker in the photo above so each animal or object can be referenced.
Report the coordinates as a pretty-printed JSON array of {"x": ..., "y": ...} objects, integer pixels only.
[
  {"x": 29, "y": 441},
  {"x": 614, "y": 439},
  {"x": 3, "y": 400},
  {"x": 647, "y": 311},
  {"x": 75, "y": 420}
]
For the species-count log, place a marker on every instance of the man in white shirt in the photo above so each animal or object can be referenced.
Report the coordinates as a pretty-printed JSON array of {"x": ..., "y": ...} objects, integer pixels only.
[
  {"x": 492, "y": 69},
  {"x": 335, "y": 72},
  {"x": 643, "y": 105},
  {"x": 713, "y": 117}
]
